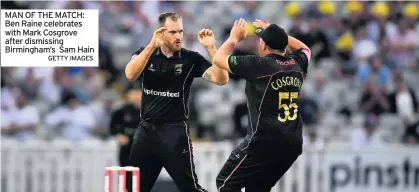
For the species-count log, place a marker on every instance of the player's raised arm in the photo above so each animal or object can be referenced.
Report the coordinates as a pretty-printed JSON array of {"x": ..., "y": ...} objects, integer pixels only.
[
  {"x": 138, "y": 62},
  {"x": 213, "y": 74},
  {"x": 238, "y": 33},
  {"x": 293, "y": 43}
]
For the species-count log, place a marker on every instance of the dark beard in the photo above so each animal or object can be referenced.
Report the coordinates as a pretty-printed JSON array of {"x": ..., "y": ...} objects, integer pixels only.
[{"x": 171, "y": 47}]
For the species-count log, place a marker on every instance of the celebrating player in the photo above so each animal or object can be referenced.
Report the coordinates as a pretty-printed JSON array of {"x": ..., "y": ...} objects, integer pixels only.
[
  {"x": 274, "y": 79},
  {"x": 167, "y": 71}
]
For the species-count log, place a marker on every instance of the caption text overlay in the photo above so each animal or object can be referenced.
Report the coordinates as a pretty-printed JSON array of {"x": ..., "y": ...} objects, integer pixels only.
[{"x": 49, "y": 38}]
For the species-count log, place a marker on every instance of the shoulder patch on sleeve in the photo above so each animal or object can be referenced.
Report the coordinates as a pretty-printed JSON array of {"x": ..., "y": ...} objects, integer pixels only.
[
  {"x": 233, "y": 60},
  {"x": 307, "y": 52}
]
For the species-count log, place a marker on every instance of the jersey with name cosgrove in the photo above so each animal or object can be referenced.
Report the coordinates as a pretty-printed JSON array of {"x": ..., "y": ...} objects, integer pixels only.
[
  {"x": 272, "y": 89},
  {"x": 166, "y": 84}
]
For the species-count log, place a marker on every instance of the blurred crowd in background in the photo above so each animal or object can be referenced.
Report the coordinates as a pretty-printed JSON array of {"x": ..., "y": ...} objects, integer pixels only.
[{"x": 362, "y": 87}]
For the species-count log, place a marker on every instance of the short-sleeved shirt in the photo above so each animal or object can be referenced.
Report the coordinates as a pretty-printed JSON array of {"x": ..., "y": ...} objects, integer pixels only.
[
  {"x": 166, "y": 83},
  {"x": 272, "y": 89}
]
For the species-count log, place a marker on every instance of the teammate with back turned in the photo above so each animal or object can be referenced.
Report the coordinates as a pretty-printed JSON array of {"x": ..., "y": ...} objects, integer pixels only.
[
  {"x": 273, "y": 81},
  {"x": 167, "y": 71}
]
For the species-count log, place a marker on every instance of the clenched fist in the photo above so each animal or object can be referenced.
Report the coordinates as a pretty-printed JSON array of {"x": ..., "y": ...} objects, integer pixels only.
[
  {"x": 157, "y": 40},
  {"x": 206, "y": 38}
]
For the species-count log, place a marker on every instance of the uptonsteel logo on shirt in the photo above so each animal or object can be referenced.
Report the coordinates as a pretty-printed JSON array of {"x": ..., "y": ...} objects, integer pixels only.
[{"x": 161, "y": 93}]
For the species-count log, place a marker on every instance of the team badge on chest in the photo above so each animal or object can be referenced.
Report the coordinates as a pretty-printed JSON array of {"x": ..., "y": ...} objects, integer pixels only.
[{"x": 178, "y": 69}]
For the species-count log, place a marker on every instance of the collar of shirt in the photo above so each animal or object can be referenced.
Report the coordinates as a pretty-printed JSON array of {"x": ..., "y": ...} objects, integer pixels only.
[
  {"x": 176, "y": 55},
  {"x": 276, "y": 56}
]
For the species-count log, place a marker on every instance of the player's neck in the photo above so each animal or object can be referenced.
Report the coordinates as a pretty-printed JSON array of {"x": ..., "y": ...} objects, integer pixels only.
[
  {"x": 166, "y": 51},
  {"x": 275, "y": 51},
  {"x": 279, "y": 53}
]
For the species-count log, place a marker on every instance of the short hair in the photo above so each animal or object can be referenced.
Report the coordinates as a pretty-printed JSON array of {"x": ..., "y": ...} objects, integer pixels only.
[
  {"x": 172, "y": 15},
  {"x": 274, "y": 37}
]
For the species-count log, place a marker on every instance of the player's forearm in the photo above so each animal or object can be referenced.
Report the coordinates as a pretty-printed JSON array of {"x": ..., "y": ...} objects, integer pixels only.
[
  {"x": 221, "y": 56},
  {"x": 295, "y": 44},
  {"x": 219, "y": 76},
  {"x": 136, "y": 66},
  {"x": 211, "y": 52}
]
